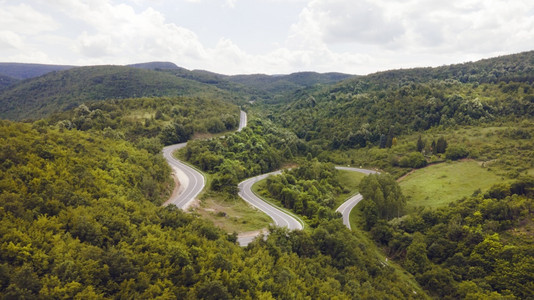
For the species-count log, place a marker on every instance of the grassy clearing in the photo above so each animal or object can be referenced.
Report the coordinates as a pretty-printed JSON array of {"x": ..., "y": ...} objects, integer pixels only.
[
  {"x": 232, "y": 215},
  {"x": 440, "y": 184},
  {"x": 350, "y": 181}
]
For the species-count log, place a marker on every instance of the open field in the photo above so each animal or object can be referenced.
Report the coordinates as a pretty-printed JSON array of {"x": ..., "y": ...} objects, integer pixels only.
[
  {"x": 440, "y": 184},
  {"x": 232, "y": 215}
]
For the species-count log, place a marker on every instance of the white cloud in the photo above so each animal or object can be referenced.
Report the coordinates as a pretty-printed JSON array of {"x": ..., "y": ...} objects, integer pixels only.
[
  {"x": 10, "y": 40},
  {"x": 354, "y": 36},
  {"x": 23, "y": 19},
  {"x": 411, "y": 33},
  {"x": 119, "y": 34}
]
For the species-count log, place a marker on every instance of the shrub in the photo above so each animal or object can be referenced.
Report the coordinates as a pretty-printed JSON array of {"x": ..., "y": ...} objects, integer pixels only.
[
  {"x": 413, "y": 160},
  {"x": 456, "y": 152}
]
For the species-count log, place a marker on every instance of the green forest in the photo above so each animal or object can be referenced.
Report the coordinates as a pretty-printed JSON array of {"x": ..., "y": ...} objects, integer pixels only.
[{"x": 83, "y": 181}]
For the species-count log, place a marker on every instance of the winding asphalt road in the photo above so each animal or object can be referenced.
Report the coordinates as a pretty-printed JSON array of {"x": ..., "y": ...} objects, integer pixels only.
[
  {"x": 279, "y": 217},
  {"x": 283, "y": 219},
  {"x": 191, "y": 181},
  {"x": 242, "y": 120},
  {"x": 348, "y": 205}
]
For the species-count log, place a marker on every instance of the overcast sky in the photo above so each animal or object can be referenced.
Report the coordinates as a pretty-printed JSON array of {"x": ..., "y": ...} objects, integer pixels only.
[{"x": 265, "y": 36}]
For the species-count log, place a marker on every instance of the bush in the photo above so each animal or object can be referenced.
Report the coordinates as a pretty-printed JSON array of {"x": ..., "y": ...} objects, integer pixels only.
[
  {"x": 413, "y": 160},
  {"x": 456, "y": 152}
]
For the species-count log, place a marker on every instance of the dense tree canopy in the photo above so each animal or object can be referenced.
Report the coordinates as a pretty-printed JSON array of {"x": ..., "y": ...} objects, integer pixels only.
[
  {"x": 476, "y": 247},
  {"x": 80, "y": 218}
]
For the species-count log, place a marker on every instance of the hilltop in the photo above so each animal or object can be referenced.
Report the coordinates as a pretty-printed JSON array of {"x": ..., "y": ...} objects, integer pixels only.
[{"x": 50, "y": 88}]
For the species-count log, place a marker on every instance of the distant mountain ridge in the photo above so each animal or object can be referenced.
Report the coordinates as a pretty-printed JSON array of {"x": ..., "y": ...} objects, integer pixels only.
[
  {"x": 56, "y": 91},
  {"x": 155, "y": 65},
  {"x": 6, "y": 81},
  {"x": 25, "y": 71}
]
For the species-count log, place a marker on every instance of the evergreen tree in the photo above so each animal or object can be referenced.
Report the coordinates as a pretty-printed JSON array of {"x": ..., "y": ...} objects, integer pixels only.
[
  {"x": 441, "y": 145},
  {"x": 420, "y": 144}
]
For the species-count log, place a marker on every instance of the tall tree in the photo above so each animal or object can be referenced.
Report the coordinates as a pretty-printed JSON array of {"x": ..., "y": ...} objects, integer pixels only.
[{"x": 441, "y": 145}]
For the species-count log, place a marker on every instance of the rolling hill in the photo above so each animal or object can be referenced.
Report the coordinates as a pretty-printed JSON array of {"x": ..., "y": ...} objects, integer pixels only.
[
  {"x": 57, "y": 91},
  {"x": 155, "y": 65},
  {"x": 358, "y": 111}
]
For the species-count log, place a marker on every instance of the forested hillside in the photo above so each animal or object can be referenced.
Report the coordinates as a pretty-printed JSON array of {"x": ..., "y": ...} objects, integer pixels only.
[
  {"x": 57, "y": 91},
  {"x": 281, "y": 84},
  {"x": 151, "y": 123},
  {"x": 363, "y": 110},
  {"x": 80, "y": 218},
  {"x": 479, "y": 247},
  {"x": 475, "y": 247},
  {"x": 6, "y": 81}
]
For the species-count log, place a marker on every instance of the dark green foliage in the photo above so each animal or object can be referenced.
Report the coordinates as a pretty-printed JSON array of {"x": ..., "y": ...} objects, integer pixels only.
[
  {"x": 279, "y": 85},
  {"x": 375, "y": 108},
  {"x": 156, "y": 65},
  {"x": 176, "y": 133},
  {"x": 309, "y": 190},
  {"x": 150, "y": 122},
  {"x": 413, "y": 160},
  {"x": 259, "y": 148},
  {"x": 6, "y": 81},
  {"x": 382, "y": 192},
  {"x": 25, "y": 71},
  {"x": 441, "y": 145},
  {"x": 456, "y": 152},
  {"x": 420, "y": 144},
  {"x": 475, "y": 240}
]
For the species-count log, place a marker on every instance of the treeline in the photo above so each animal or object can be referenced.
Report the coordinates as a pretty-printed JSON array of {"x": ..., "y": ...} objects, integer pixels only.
[
  {"x": 259, "y": 148},
  {"x": 151, "y": 123},
  {"x": 477, "y": 248},
  {"x": 80, "y": 219}
]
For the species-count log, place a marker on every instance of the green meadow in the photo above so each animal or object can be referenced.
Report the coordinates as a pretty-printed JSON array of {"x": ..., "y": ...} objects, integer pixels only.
[{"x": 437, "y": 185}]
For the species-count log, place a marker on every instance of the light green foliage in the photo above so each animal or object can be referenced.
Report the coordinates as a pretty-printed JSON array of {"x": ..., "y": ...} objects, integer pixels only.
[
  {"x": 80, "y": 218},
  {"x": 141, "y": 120}
]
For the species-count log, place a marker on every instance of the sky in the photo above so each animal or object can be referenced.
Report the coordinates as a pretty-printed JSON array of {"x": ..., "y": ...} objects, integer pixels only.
[{"x": 265, "y": 36}]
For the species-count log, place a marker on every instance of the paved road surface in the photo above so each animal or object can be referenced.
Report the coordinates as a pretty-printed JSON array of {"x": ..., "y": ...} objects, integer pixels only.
[
  {"x": 279, "y": 217},
  {"x": 191, "y": 181},
  {"x": 348, "y": 205},
  {"x": 242, "y": 120}
]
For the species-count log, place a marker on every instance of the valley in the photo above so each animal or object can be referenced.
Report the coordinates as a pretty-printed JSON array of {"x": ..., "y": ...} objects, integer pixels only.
[{"x": 412, "y": 184}]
